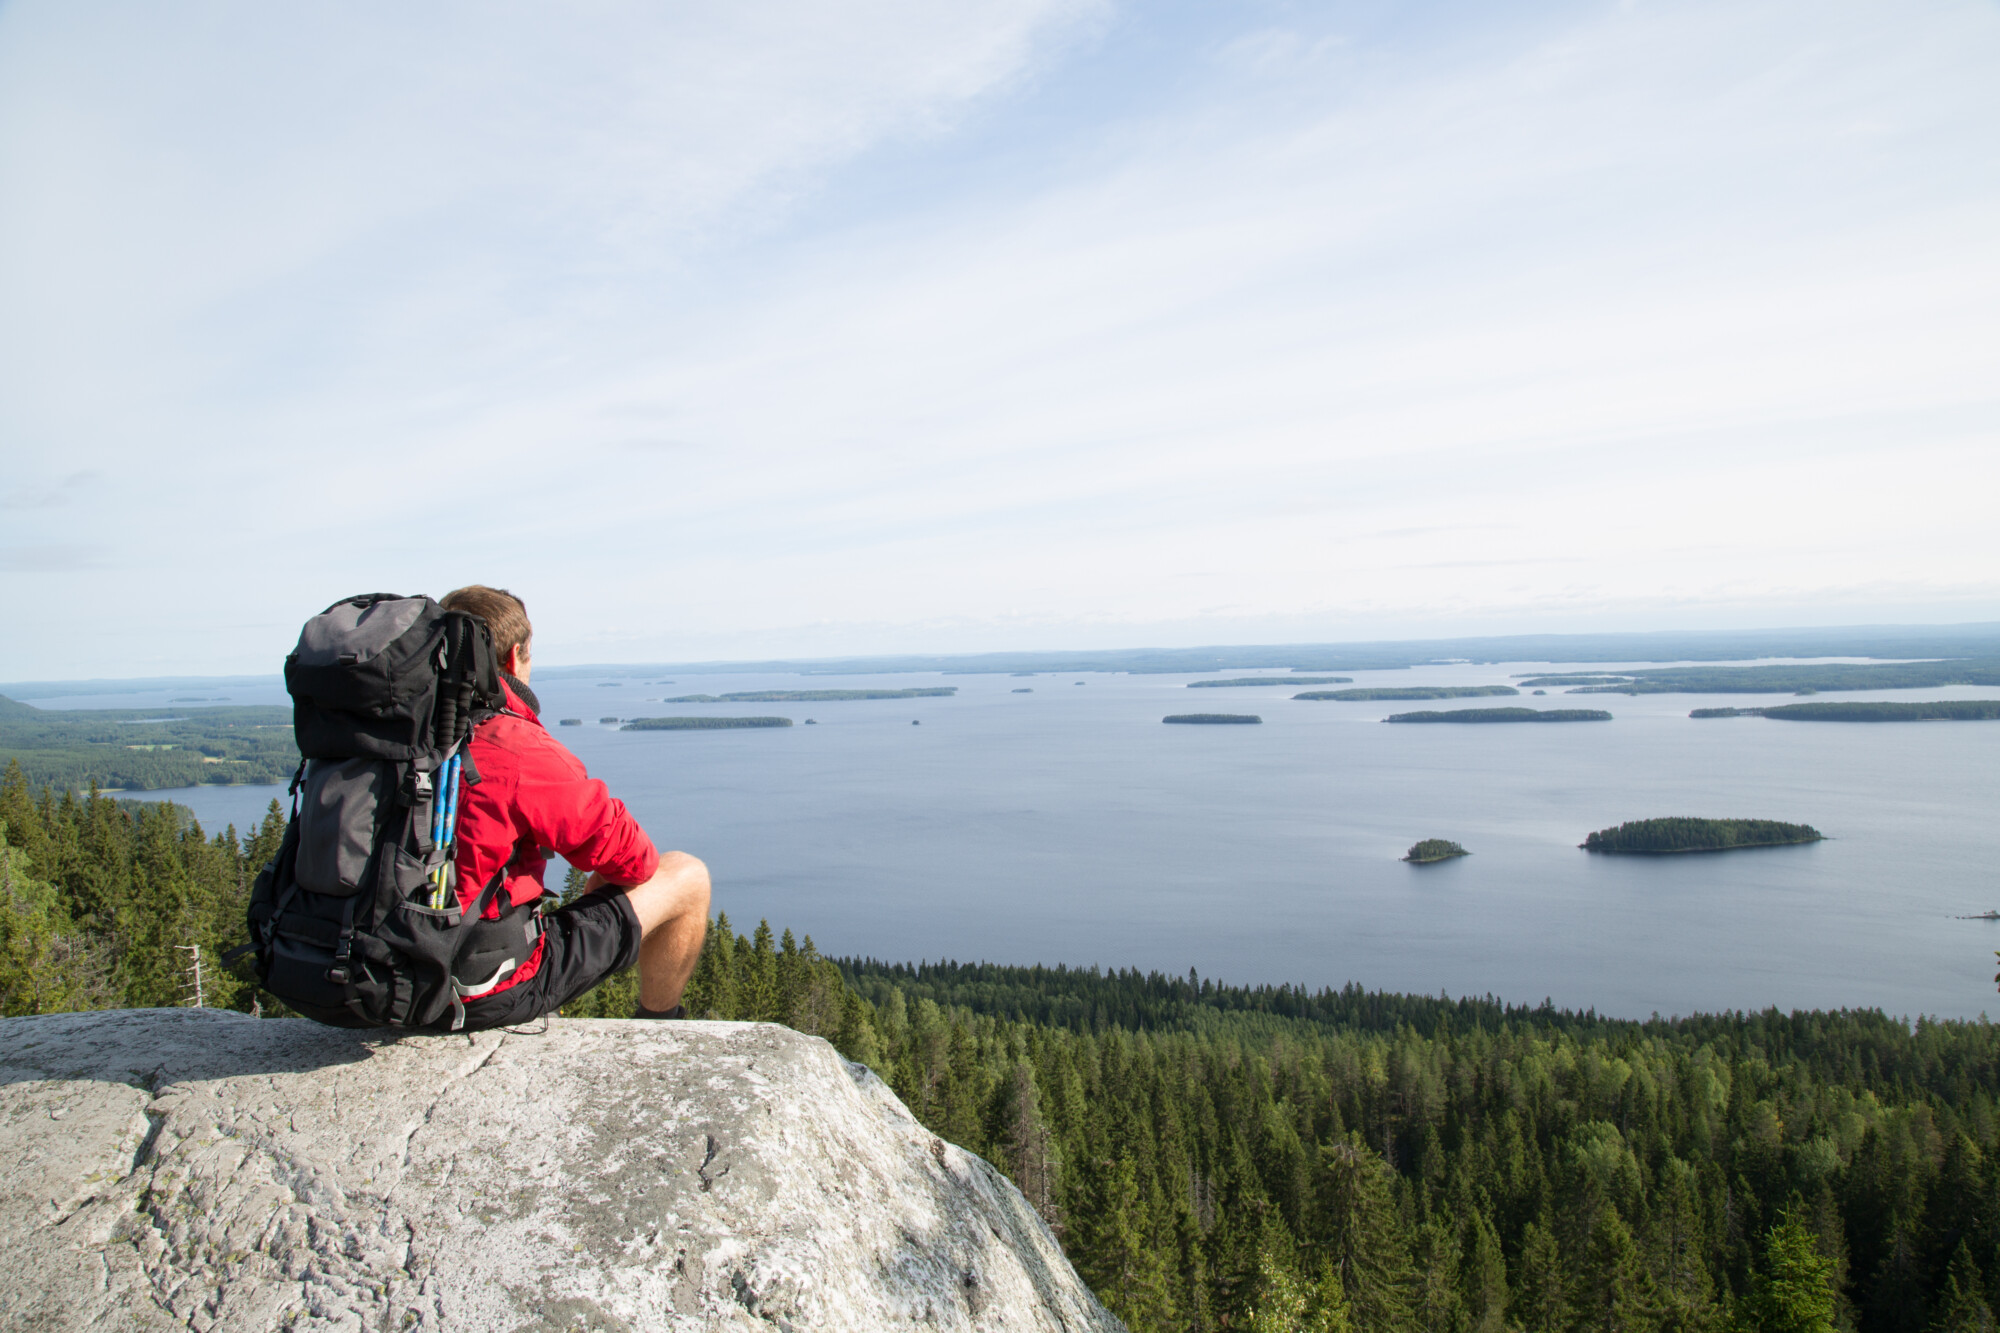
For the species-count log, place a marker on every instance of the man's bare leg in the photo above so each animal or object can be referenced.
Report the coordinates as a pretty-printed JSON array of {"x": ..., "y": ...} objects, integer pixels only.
[{"x": 672, "y": 908}]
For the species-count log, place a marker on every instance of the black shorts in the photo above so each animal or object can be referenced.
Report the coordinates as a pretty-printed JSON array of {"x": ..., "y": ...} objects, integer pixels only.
[{"x": 582, "y": 944}]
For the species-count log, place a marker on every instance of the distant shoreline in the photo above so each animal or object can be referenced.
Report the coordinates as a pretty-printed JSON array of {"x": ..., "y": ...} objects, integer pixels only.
[{"x": 1497, "y": 715}]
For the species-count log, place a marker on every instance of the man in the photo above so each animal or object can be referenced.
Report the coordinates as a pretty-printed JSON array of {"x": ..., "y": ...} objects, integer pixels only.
[{"x": 533, "y": 796}]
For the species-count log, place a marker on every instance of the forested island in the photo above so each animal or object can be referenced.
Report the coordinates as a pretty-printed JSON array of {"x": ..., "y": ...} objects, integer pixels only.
[
  {"x": 1579, "y": 678},
  {"x": 702, "y": 723},
  {"x": 1434, "y": 849},
  {"x": 1207, "y": 1154},
  {"x": 1794, "y": 679},
  {"x": 134, "y": 749},
  {"x": 812, "y": 696},
  {"x": 1397, "y": 692},
  {"x": 1213, "y": 719},
  {"x": 1267, "y": 680},
  {"x": 1664, "y": 837},
  {"x": 1505, "y": 715},
  {"x": 1931, "y": 710}
]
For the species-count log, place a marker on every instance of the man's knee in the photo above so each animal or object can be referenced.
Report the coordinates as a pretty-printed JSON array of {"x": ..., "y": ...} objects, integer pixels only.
[{"x": 678, "y": 889}]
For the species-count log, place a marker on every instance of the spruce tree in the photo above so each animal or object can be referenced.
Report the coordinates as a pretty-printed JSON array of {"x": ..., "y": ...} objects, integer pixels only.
[
  {"x": 1794, "y": 1292},
  {"x": 1615, "y": 1293},
  {"x": 46, "y": 966},
  {"x": 1436, "y": 1304},
  {"x": 1676, "y": 1245},
  {"x": 765, "y": 1003},
  {"x": 1962, "y": 1306},
  {"x": 1365, "y": 1237},
  {"x": 1898, "y": 1294},
  {"x": 1116, "y": 1255},
  {"x": 1541, "y": 1288},
  {"x": 1483, "y": 1289}
]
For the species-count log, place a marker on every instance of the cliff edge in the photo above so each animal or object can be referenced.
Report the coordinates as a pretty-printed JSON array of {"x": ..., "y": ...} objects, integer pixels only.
[{"x": 196, "y": 1169}]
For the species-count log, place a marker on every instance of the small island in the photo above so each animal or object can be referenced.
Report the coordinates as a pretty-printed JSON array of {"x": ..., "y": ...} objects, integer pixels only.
[
  {"x": 1213, "y": 719},
  {"x": 1668, "y": 837},
  {"x": 1434, "y": 849},
  {"x": 610, "y": 721},
  {"x": 570, "y": 722},
  {"x": 1238, "y": 681},
  {"x": 1868, "y": 710},
  {"x": 1025, "y": 689},
  {"x": 702, "y": 723},
  {"x": 1505, "y": 715},
  {"x": 1579, "y": 678},
  {"x": 1411, "y": 692}
]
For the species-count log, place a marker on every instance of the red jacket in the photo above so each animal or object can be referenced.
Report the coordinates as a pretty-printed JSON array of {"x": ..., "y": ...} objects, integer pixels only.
[{"x": 533, "y": 797}]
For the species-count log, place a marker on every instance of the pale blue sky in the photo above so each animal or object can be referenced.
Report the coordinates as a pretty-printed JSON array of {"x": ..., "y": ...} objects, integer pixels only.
[{"x": 723, "y": 330}]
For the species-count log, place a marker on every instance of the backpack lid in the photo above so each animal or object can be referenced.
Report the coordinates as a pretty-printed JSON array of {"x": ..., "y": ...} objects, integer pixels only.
[{"x": 353, "y": 631}]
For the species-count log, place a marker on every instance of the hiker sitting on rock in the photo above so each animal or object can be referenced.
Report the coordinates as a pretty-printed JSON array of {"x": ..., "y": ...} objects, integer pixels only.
[{"x": 533, "y": 795}]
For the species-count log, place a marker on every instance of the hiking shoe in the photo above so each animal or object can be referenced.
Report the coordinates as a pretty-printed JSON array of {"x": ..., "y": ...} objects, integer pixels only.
[{"x": 641, "y": 1011}]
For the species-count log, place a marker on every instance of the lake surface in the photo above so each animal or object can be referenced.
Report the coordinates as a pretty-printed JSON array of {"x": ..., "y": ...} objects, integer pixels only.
[{"x": 1069, "y": 825}]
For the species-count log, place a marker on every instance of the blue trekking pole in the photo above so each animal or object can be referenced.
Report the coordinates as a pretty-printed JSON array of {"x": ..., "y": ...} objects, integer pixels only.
[
  {"x": 447, "y": 823},
  {"x": 437, "y": 810}
]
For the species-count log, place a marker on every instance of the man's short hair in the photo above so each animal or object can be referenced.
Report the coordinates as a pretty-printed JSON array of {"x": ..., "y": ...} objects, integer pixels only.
[{"x": 504, "y": 613}]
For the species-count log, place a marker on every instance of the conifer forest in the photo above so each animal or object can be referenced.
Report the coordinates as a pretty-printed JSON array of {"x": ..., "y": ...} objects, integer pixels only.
[{"x": 1264, "y": 1158}]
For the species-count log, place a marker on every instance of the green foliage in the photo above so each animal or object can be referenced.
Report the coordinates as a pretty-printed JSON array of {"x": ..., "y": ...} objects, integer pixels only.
[
  {"x": 1230, "y": 1158},
  {"x": 1505, "y": 715},
  {"x": 1563, "y": 679},
  {"x": 1797, "y": 679},
  {"x": 140, "y": 750},
  {"x": 1434, "y": 849},
  {"x": 104, "y": 899},
  {"x": 1454, "y": 1164},
  {"x": 700, "y": 723},
  {"x": 1657, "y": 837},
  {"x": 1963, "y": 1306},
  {"x": 1869, "y": 710},
  {"x": 1214, "y": 719},
  {"x": 46, "y": 965},
  {"x": 1239, "y": 681},
  {"x": 1411, "y": 692},
  {"x": 1931, "y": 710},
  {"x": 1793, "y": 1292}
]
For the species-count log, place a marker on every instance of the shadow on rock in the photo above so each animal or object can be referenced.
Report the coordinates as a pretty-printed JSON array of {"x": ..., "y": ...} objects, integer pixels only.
[{"x": 151, "y": 1047}]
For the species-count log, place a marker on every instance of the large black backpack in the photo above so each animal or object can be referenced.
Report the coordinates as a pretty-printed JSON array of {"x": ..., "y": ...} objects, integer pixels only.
[{"x": 357, "y": 922}]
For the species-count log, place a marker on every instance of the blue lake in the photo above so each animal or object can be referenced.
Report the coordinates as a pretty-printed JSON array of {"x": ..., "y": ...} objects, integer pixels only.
[{"x": 1069, "y": 825}]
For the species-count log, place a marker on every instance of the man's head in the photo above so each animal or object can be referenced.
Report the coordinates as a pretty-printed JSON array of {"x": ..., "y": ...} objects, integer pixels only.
[{"x": 506, "y": 615}]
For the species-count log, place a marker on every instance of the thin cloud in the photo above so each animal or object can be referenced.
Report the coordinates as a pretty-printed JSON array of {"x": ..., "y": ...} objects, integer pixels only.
[
  {"x": 837, "y": 330},
  {"x": 53, "y": 495},
  {"x": 51, "y": 559}
]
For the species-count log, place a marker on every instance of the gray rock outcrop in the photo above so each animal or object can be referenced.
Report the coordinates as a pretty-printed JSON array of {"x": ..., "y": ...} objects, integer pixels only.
[{"x": 193, "y": 1169}]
